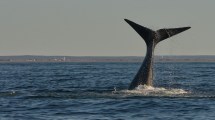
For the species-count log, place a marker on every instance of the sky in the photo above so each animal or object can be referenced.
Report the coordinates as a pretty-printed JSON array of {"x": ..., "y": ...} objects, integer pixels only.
[{"x": 97, "y": 27}]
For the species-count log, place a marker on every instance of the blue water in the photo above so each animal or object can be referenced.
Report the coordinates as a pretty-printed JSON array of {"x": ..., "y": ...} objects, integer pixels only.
[{"x": 76, "y": 91}]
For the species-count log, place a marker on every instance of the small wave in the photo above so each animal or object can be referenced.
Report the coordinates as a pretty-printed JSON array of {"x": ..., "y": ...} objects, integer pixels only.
[
  {"x": 144, "y": 90},
  {"x": 8, "y": 93}
]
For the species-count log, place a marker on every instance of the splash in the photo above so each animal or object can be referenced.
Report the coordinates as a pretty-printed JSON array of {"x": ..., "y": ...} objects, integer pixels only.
[{"x": 144, "y": 90}]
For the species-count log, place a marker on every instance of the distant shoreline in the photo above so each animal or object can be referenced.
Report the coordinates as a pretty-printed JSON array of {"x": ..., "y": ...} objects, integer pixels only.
[{"x": 31, "y": 58}]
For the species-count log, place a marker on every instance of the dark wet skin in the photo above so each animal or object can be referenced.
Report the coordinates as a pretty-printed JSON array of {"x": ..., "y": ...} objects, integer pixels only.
[{"x": 145, "y": 74}]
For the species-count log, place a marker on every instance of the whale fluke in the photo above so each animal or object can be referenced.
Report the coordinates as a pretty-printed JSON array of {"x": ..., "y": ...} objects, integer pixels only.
[
  {"x": 145, "y": 74},
  {"x": 144, "y": 32},
  {"x": 169, "y": 32}
]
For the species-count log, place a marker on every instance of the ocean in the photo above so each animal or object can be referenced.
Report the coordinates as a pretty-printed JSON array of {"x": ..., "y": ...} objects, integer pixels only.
[{"x": 98, "y": 91}]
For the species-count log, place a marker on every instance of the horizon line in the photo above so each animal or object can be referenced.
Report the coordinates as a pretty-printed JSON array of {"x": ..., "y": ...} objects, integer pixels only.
[{"x": 99, "y": 55}]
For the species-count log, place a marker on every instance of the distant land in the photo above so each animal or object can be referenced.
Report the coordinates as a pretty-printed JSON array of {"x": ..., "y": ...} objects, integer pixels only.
[{"x": 32, "y": 58}]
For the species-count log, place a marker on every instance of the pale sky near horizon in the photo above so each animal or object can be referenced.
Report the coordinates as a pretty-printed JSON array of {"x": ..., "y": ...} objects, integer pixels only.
[{"x": 97, "y": 28}]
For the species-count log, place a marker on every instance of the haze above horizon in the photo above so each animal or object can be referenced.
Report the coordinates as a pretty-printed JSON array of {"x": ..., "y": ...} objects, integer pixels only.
[{"x": 97, "y": 28}]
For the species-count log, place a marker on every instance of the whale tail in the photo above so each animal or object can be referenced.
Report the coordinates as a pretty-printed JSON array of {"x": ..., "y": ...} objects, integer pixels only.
[
  {"x": 145, "y": 74},
  {"x": 159, "y": 35}
]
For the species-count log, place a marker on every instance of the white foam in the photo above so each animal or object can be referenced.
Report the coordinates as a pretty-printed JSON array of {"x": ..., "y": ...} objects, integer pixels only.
[{"x": 144, "y": 90}]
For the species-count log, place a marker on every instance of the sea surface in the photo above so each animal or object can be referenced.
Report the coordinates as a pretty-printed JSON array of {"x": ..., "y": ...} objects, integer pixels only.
[{"x": 98, "y": 91}]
